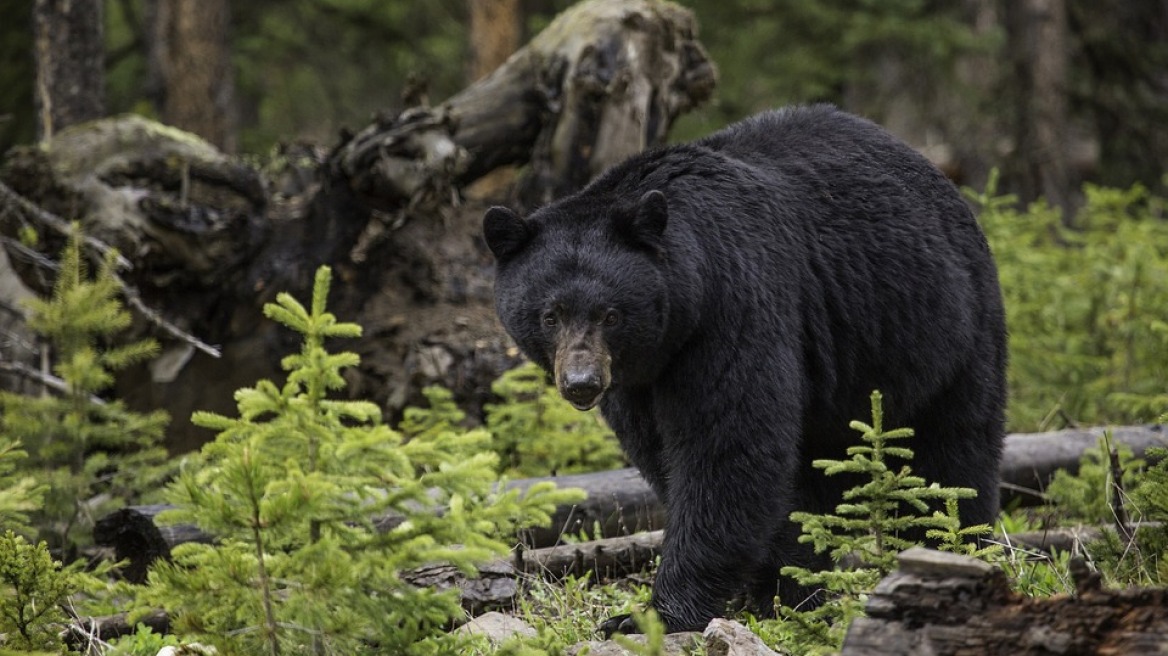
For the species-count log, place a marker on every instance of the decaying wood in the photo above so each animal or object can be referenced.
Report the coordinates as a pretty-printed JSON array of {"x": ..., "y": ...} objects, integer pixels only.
[
  {"x": 210, "y": 238},
  {"x": 84, "y": 631},
  {"x": 604, "y": 81},
  {"x": 950, "y": 605},
  {"x": 620, "y": 503},
  {"x": 499, "y": 582}
]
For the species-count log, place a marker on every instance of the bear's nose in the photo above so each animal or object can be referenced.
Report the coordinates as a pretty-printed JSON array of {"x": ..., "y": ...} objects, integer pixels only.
[{"x": 581, "y": 387}]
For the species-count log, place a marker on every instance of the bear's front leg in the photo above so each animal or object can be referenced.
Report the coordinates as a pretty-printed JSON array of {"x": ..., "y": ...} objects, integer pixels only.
[{"x": 730, "y": 472}]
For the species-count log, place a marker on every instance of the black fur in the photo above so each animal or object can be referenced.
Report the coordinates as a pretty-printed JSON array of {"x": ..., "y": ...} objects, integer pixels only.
[{"x": 790, "y": 264}]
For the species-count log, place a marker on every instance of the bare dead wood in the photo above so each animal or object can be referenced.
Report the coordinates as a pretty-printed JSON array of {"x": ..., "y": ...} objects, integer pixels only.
[
  {"x": 55, "y": 223},
  {"x": 129, "y": 292},
  {"x": 604, "y": 81},
  {"x": 498, "y": 583},
  {"x": 945, "y": 604},
  {"x": 47, "y": 380},
  {"x": 85, "y": 631}
]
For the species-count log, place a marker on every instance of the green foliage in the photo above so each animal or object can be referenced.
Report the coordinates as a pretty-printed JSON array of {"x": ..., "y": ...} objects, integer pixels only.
[
  {"x": 1151, "y": 500},
  {"x": 291, "y": 485},
  {"x": 1036, "y": 574},
  {"x": 20, "y": 494},
  {"x": 34, "y": 587},
  {"x": 870, "y": 527},
  {"x": 92, "y": 455},
  {"x": 537, "y": 433},
  {"x": 142, "y": 642},
  {"x": 1085, "y": 306},
  {"x": 1141, "y": 556},
  {"x": 1087, "y": 495},
  {"x": 814, "y": 50}
]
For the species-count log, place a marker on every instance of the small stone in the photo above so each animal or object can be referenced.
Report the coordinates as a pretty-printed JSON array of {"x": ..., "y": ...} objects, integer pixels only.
[
  {"x": 729, "y": 638},
  {"x": 497, "y": 627},
  {"x": 941, "y": 564}
]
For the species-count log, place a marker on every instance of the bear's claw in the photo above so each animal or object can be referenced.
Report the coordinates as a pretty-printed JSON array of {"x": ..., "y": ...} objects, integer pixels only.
[{"x": 618, "y": 624}]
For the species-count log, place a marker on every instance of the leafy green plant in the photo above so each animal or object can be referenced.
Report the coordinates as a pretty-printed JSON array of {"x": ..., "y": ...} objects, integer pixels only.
[
  {"x": 20, "y": 494},
  {"x": 92, "y": 454},
  {"x": 537, "y": 433},
  {"x": 1085, "y": 305},
  {"x": 292, "y": 488},
  {"x": 34, "y": 588},
  {"x": 1087, "y": 496},
  {"x": 869, "y": 527},
  {"x": 142, "y": 642}
]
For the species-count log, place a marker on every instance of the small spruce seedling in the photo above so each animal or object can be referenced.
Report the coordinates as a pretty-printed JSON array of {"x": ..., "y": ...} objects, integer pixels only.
[{"x": 870, "y": 527}]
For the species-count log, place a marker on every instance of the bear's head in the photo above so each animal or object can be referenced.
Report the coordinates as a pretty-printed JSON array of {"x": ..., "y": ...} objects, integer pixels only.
[{"x": 581, "y": 287}]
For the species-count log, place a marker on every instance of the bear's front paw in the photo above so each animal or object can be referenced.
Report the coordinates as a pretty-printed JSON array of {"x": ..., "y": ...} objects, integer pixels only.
[{"x": 618, "y": 624}]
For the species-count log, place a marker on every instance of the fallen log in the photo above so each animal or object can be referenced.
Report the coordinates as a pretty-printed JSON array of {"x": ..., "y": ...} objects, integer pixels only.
[
  {"x": 945, "y": 604},
  {"x": 620, "y": 502},
  {"x": 1030, "y": 460},
  {"x": 496, "y": 586}
]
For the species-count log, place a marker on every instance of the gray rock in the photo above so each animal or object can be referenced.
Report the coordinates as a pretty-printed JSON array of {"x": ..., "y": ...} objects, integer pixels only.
[
  {"x": 729, "y": 638},
  {"x": 497, "y": 627}
]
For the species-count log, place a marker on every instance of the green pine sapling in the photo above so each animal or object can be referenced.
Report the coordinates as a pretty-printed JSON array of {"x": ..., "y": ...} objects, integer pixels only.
[
  {"x": 870, "y": 527},
  {"x": 92, "y": 454},
  {"x": 292, "y": 488},
  {"x": 33, "y": 588}
]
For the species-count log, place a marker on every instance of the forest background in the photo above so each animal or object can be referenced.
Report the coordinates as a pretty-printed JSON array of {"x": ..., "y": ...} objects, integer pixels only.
[{"x": 1052, "y": 92}]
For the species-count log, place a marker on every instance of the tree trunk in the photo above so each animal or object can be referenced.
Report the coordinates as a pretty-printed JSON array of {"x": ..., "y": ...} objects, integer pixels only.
[
  {"x": 1037, "y": 38},
  {"x": 70, "y": 63},
  {"x": 190, "y": 62},
  {"x": 494, "y": 34}
]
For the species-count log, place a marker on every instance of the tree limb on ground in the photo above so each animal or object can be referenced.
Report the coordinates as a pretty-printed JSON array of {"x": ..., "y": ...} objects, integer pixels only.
[{"x": 620, "y": 502}]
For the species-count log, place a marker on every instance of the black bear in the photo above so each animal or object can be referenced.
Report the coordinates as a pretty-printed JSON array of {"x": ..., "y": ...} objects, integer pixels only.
[{"x": 731, "y": 303}]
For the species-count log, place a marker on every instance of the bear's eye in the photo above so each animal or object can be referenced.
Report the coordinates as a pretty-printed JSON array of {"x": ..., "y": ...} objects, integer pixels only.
[
  {"x": 611, "y": 318},
  {"x": 549, "y": 319}
]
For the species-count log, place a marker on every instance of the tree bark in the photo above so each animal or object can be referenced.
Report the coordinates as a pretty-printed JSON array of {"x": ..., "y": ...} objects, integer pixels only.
[
  {"x": 949, "y": 605},
  {"x": 190, "y": 56},
  {"x": 495, "y": 27},
  {"x": 1038, "y": 43},
  {"x": 70, "y": 63}
]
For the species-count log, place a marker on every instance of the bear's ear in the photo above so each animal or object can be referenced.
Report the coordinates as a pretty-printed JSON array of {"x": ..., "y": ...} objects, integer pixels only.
[
  {"x": 506, "y": 234},
  {"x": 647, "y": 222}
]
